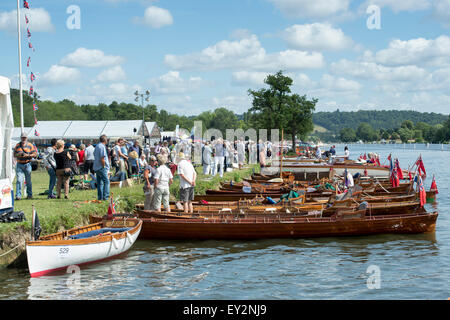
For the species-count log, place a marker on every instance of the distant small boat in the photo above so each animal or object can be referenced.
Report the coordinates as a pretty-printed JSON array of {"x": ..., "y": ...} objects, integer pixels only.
[{"x": 79, "y": 246}]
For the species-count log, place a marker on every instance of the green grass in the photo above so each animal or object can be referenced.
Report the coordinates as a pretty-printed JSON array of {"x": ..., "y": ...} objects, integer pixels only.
[{"x": 59, "y": 214}]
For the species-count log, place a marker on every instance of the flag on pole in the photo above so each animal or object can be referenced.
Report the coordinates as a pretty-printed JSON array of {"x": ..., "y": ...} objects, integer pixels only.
[
  {"x": 421, "y": 167},
  {"x": 434, "y": 186},
  {"x": 399, "y": 170},
  {"x": 36, "y": 226},
  {"x": 422, "y": 192},
  {"x": 111, "y": 207}
]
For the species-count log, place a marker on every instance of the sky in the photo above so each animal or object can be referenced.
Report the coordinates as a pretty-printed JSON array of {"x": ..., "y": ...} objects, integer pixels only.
[{"x": 199, "y": 55}]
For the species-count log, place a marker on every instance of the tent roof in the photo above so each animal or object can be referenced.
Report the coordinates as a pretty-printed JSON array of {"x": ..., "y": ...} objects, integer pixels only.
[
  {"x": 153, "y": 129},
  {"x": 123, "y": 128},
  {"x": 17, "y": 131},
  {"x": 50, "y": 129},
  {"x": 85, "y": 129}
]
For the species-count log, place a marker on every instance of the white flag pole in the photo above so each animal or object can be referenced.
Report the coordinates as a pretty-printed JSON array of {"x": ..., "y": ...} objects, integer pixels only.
[{"x": 20, "y": 67}]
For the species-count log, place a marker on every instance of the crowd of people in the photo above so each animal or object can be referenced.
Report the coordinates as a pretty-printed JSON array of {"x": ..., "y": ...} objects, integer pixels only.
[{"x": 107, "y": 161}]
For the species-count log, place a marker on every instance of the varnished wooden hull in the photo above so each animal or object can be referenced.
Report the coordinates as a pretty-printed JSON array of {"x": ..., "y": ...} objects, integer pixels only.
[{"x": 260, "y": 228}]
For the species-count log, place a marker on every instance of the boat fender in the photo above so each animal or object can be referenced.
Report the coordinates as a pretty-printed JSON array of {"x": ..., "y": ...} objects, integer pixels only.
[
  {"x": 129, "y": 238},
  {"x": 114, "y": 242}
]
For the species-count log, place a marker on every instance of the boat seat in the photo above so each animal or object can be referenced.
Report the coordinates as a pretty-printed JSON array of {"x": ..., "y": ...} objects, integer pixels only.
[{"x": 94, "y": 233}]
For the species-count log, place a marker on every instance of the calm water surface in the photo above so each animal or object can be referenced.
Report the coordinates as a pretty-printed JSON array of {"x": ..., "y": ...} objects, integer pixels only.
[{"x": 411, "y": 266}]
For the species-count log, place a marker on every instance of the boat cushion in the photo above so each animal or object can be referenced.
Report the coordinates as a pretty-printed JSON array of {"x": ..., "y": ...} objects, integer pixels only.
[{"x": 94, "y": 233}]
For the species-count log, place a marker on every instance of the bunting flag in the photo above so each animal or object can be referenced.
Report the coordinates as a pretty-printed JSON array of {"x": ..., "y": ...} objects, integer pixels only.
[
  {"x": 434, "y": 186},
  {"x": 410, "y": 176},
  {"x": 365, "y": 172},
  {"x": 26, "y": 5},
  {"x": 422, "y": 192}
]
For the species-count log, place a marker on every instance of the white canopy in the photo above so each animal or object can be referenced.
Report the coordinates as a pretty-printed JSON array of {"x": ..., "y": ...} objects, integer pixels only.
[
  {"x": 74, "y": 130},
  {"x": 6, "y": 130}
]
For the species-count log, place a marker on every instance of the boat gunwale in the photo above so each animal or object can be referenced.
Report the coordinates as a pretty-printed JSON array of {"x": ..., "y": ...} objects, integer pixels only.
[{"x": 85, "y": 241}]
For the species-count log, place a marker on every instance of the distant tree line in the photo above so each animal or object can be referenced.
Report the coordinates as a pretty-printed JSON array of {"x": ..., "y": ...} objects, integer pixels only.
[
  {"x": 408, "y": 131},
  {"x": 382, "y": 119},
  {"x": 274, "y": 107}
]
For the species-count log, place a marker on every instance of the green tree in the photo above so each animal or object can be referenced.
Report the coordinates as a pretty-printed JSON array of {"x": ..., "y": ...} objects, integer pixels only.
[
  {"x": 348, "y": 135},
  {"x": 276, "y": 108}
]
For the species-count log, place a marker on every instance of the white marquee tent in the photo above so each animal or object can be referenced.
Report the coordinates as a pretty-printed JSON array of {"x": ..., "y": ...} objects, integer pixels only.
[
  {"x": 6, "y": 130},
  {"x": 86, "y": 130}
]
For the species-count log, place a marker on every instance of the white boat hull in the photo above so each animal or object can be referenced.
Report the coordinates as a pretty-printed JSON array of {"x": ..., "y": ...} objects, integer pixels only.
[{"x": 45, "y": 259}]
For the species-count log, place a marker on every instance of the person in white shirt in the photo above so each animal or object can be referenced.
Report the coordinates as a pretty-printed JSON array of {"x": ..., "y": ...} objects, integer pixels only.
[
  {"x": 163, "y": 179},
  {"x": 89, "y": 160},
  {"x": 142, "y": 162},
  {"x": 350, "y": 182},
  {"x": 347, "y": 153},
  {"x": 188, "y": 175}
]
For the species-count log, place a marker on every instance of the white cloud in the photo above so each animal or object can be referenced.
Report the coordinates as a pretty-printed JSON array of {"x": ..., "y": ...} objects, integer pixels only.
[
  {"x": 371, "y": 70},
  {"x": 60, "y": 75},
  {"x": 245, "y": 78},
  {"x": 420, "y": 51},
  {"x": 339, "y": 84},
  {"x": 398, "y": 5},
  {"x": 245, "y": 53},
  {"x": 155, "y": 17},
  {"x": 39, "y": 20},
  {"x": 91, "y": 58},
  {"x": 311, "y": 9},
  {"x": 316, "y": 36},
  {"x": 441, "y": 11},
  {"x": 112, "y": 74},
  {"x": 173, "y": 83}
]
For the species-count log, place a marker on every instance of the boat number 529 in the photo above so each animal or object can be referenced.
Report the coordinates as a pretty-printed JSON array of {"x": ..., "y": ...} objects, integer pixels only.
[{"x": 63, "y": 250}]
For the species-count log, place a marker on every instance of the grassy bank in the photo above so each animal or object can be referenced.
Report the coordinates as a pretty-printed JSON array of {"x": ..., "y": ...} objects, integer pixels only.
[{"x": 59, "y": 214}]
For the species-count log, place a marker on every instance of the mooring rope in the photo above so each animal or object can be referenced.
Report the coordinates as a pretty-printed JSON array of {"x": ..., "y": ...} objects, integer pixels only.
[{"x": 4, "y": 254}]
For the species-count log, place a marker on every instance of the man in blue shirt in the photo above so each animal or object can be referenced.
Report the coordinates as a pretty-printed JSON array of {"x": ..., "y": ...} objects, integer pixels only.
[{"x": 101, "y": 168}]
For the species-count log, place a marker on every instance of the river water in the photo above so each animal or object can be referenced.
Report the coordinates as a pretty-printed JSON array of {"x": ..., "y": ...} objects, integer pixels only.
[{"x": 404, "y": 266}]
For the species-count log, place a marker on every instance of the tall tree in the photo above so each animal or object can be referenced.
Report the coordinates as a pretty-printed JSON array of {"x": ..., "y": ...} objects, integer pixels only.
[{"x": 276, "y": 108}]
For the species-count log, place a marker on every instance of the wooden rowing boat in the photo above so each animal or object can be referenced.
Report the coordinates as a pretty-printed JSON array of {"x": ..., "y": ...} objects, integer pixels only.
[
  {"x": 296, "y": 227},
  {"x": 83, "y": 245}
]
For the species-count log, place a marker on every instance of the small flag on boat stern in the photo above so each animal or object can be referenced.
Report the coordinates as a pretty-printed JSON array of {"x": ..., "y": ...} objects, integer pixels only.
[{"x": 36, "y": 226}]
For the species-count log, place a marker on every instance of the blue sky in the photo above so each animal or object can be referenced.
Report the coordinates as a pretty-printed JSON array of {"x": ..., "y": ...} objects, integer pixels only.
[{"x": 198, "y": 55}]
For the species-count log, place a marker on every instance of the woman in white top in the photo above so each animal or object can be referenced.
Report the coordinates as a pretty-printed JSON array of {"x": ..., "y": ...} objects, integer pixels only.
[
  {"x": 346, "y": 152},
  {"x": 163, "y": 179}
]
